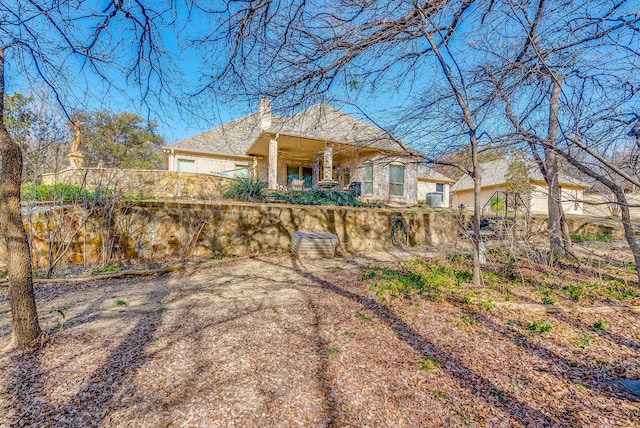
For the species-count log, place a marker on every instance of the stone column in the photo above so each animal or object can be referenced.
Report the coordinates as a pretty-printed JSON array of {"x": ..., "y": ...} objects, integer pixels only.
[
  {"x": 273, "y": 164},
  {"x": 315, "y": 171},
  {"x": 328, "y": 164}
]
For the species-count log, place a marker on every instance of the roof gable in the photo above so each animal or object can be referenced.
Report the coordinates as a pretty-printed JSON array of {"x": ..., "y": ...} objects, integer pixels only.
[
  {"x": 493, "y": 173},
  {"x": 424, "y": 172},
  {"x": 319, "y": 122}
]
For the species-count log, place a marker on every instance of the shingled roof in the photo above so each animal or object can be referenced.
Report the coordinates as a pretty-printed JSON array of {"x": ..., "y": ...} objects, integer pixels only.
[
  {"x": 232, "y": 138},
  {"x": 319, "y": 122},
  {"x": 494, "y": 174},
  {"x": 432, "y": 175}
]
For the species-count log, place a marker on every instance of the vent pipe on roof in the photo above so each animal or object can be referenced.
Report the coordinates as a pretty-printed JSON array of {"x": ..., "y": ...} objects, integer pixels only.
[{"x": 264, "y": 112}]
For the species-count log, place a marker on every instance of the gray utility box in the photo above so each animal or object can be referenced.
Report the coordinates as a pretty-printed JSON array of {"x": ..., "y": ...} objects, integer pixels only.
[
  {"x": 313, "y": 245},
  {"x": 434, "y": 199}
]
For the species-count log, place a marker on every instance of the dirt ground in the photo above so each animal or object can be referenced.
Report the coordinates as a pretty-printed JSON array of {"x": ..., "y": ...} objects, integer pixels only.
[{"x": 275, "y": 341}]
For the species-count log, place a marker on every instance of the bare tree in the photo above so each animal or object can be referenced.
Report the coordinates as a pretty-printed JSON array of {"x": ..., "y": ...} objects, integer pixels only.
[
  {"x": 298, "y": 52},
  {"x": 50, "y": 42},
  {"x": 24, "y": 317},
  {"x": 551, "y": 68}
]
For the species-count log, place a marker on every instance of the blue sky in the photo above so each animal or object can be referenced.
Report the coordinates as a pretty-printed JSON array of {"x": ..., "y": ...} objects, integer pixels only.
[{"x": 82, "y": 90}]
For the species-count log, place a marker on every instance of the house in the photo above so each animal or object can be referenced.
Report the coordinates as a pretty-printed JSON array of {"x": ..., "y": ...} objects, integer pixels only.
[
  {"x": 433, "y": 187},
  {"x": 496, "y": 183},
  {"x": 320, "y": 147}
]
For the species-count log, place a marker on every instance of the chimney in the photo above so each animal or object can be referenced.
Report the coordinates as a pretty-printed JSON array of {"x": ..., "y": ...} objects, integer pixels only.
[{"x": 264, "y": 112}]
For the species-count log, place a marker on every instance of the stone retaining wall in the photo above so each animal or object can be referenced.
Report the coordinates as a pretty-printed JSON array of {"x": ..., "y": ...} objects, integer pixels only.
[
  {"x": 151, "y": 229},
  {"x": 142, "y": 229},
  {"x": 148, "y": 183}
]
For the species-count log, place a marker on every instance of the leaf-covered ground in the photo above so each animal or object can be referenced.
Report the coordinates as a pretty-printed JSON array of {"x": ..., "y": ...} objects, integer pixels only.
[{"x": 273, "y": 341}]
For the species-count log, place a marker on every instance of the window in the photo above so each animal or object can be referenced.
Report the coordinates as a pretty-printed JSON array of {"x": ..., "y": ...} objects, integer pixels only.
[
  {"x": 396, "y": 180},
  {"x": 367, "y": 180},
  {"x": 293, "y": 172},
  {"x": 307, "y": 176},
  {"x": 242, "y": 172},
  {"x": 186, "y": 165},
  {"x": 439, "y": 188}
]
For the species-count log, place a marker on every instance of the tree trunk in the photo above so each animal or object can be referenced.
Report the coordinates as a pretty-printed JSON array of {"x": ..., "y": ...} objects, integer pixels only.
[
  {"x": 621, "y": 199},
  {"x": 628, "y": 228},
  {"x": 557, "y": 245},
  {"x": 478, "y": 258},
  {"x": 467, "y": 116},
  {"x": 24, "y": 317}
]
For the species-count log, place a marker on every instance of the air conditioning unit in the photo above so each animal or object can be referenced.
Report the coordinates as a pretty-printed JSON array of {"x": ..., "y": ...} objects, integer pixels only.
[{"x": 434, "y": 199}]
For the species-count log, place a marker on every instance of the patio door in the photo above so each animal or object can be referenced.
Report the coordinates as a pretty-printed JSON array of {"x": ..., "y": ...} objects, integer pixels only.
[{"x": 300, "y": 172}]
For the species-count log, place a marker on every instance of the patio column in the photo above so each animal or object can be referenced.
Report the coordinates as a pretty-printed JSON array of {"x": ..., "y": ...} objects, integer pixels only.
[
  {"x": 315, "y": 171},
  {"x": 273, "y": 164},
  {"x": 328, "y": 164}
]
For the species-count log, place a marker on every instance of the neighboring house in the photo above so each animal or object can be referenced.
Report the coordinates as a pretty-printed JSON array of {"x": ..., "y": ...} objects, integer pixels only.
[
  {"x": 494, "y": 182},
  {"x": 433, "y": 187},
  {"x": 322, "y": 146}
]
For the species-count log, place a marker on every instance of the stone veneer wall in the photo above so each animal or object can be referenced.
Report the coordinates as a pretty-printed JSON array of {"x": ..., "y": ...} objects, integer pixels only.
[
  {"x": 152, "y": 229},
  {"x": 149, "y": 183},
  {"x": 142, "y": 229}
]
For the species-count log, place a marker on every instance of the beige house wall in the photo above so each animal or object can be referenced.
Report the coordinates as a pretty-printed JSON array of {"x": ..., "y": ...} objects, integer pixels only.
[
  {"x": 538, "y": 203},
  {"x": 465, "y": 197},
  {"x": 226, "y": 167},
  {"x": 599, "y": 205},
  {"x": 222, "y": 166},
  {"x": 571, "y": 200},
  {"x": 380, "y": 165},
  {"x": 425, "y": 187}
]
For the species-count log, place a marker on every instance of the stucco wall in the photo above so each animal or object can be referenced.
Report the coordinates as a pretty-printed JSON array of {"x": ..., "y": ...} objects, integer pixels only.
[
  {"x": 598, "y": 205},
  {"x": 425, "y": 187},
  {"x": 381, "y": 179},
  {"x": 222, "y": 165},
  {"x": 160, "y": 229},
  {"x": 466, "y": 197},
  {"x": 538, "y": 202},
  {"x": 149, "y": 183}
]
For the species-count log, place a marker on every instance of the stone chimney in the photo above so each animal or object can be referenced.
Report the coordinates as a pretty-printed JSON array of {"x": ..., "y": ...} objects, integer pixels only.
[{"x": 264, "y": 112}]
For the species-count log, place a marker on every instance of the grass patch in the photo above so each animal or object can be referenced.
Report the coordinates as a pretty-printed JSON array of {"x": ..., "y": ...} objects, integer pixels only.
[
  {"x": 575, "y": 292},
  {"x": 349, "y": 334},
  {"x": 585, "y": 340},
  {"x": 470, "y": 321},
  {"x": 106, "y": 269},
  {"x": 599, "y": 325},
  {"x": 428, "y": 363},
  {"x": 120, "y": 303},
  {"x": 415, "y": 277},
  {"x": 59, "y": 192},
  {"x": 585, "y": 238},
  {"x": 539, "y": 326},
  {"x": 487, "y": 304},
  {"x": 332, "y": 351}
]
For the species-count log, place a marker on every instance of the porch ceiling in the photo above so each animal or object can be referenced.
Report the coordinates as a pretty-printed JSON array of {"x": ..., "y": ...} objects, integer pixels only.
[{"x": 301, "y": 148}]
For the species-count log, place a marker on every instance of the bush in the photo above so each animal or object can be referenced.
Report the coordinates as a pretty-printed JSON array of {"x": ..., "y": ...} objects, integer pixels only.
[
  {"x": 583, "y": 238},
  {"x": 57, "y": 192},
  {"x": 246, "y": 190},
  {"x": 321, "y": 197}
]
